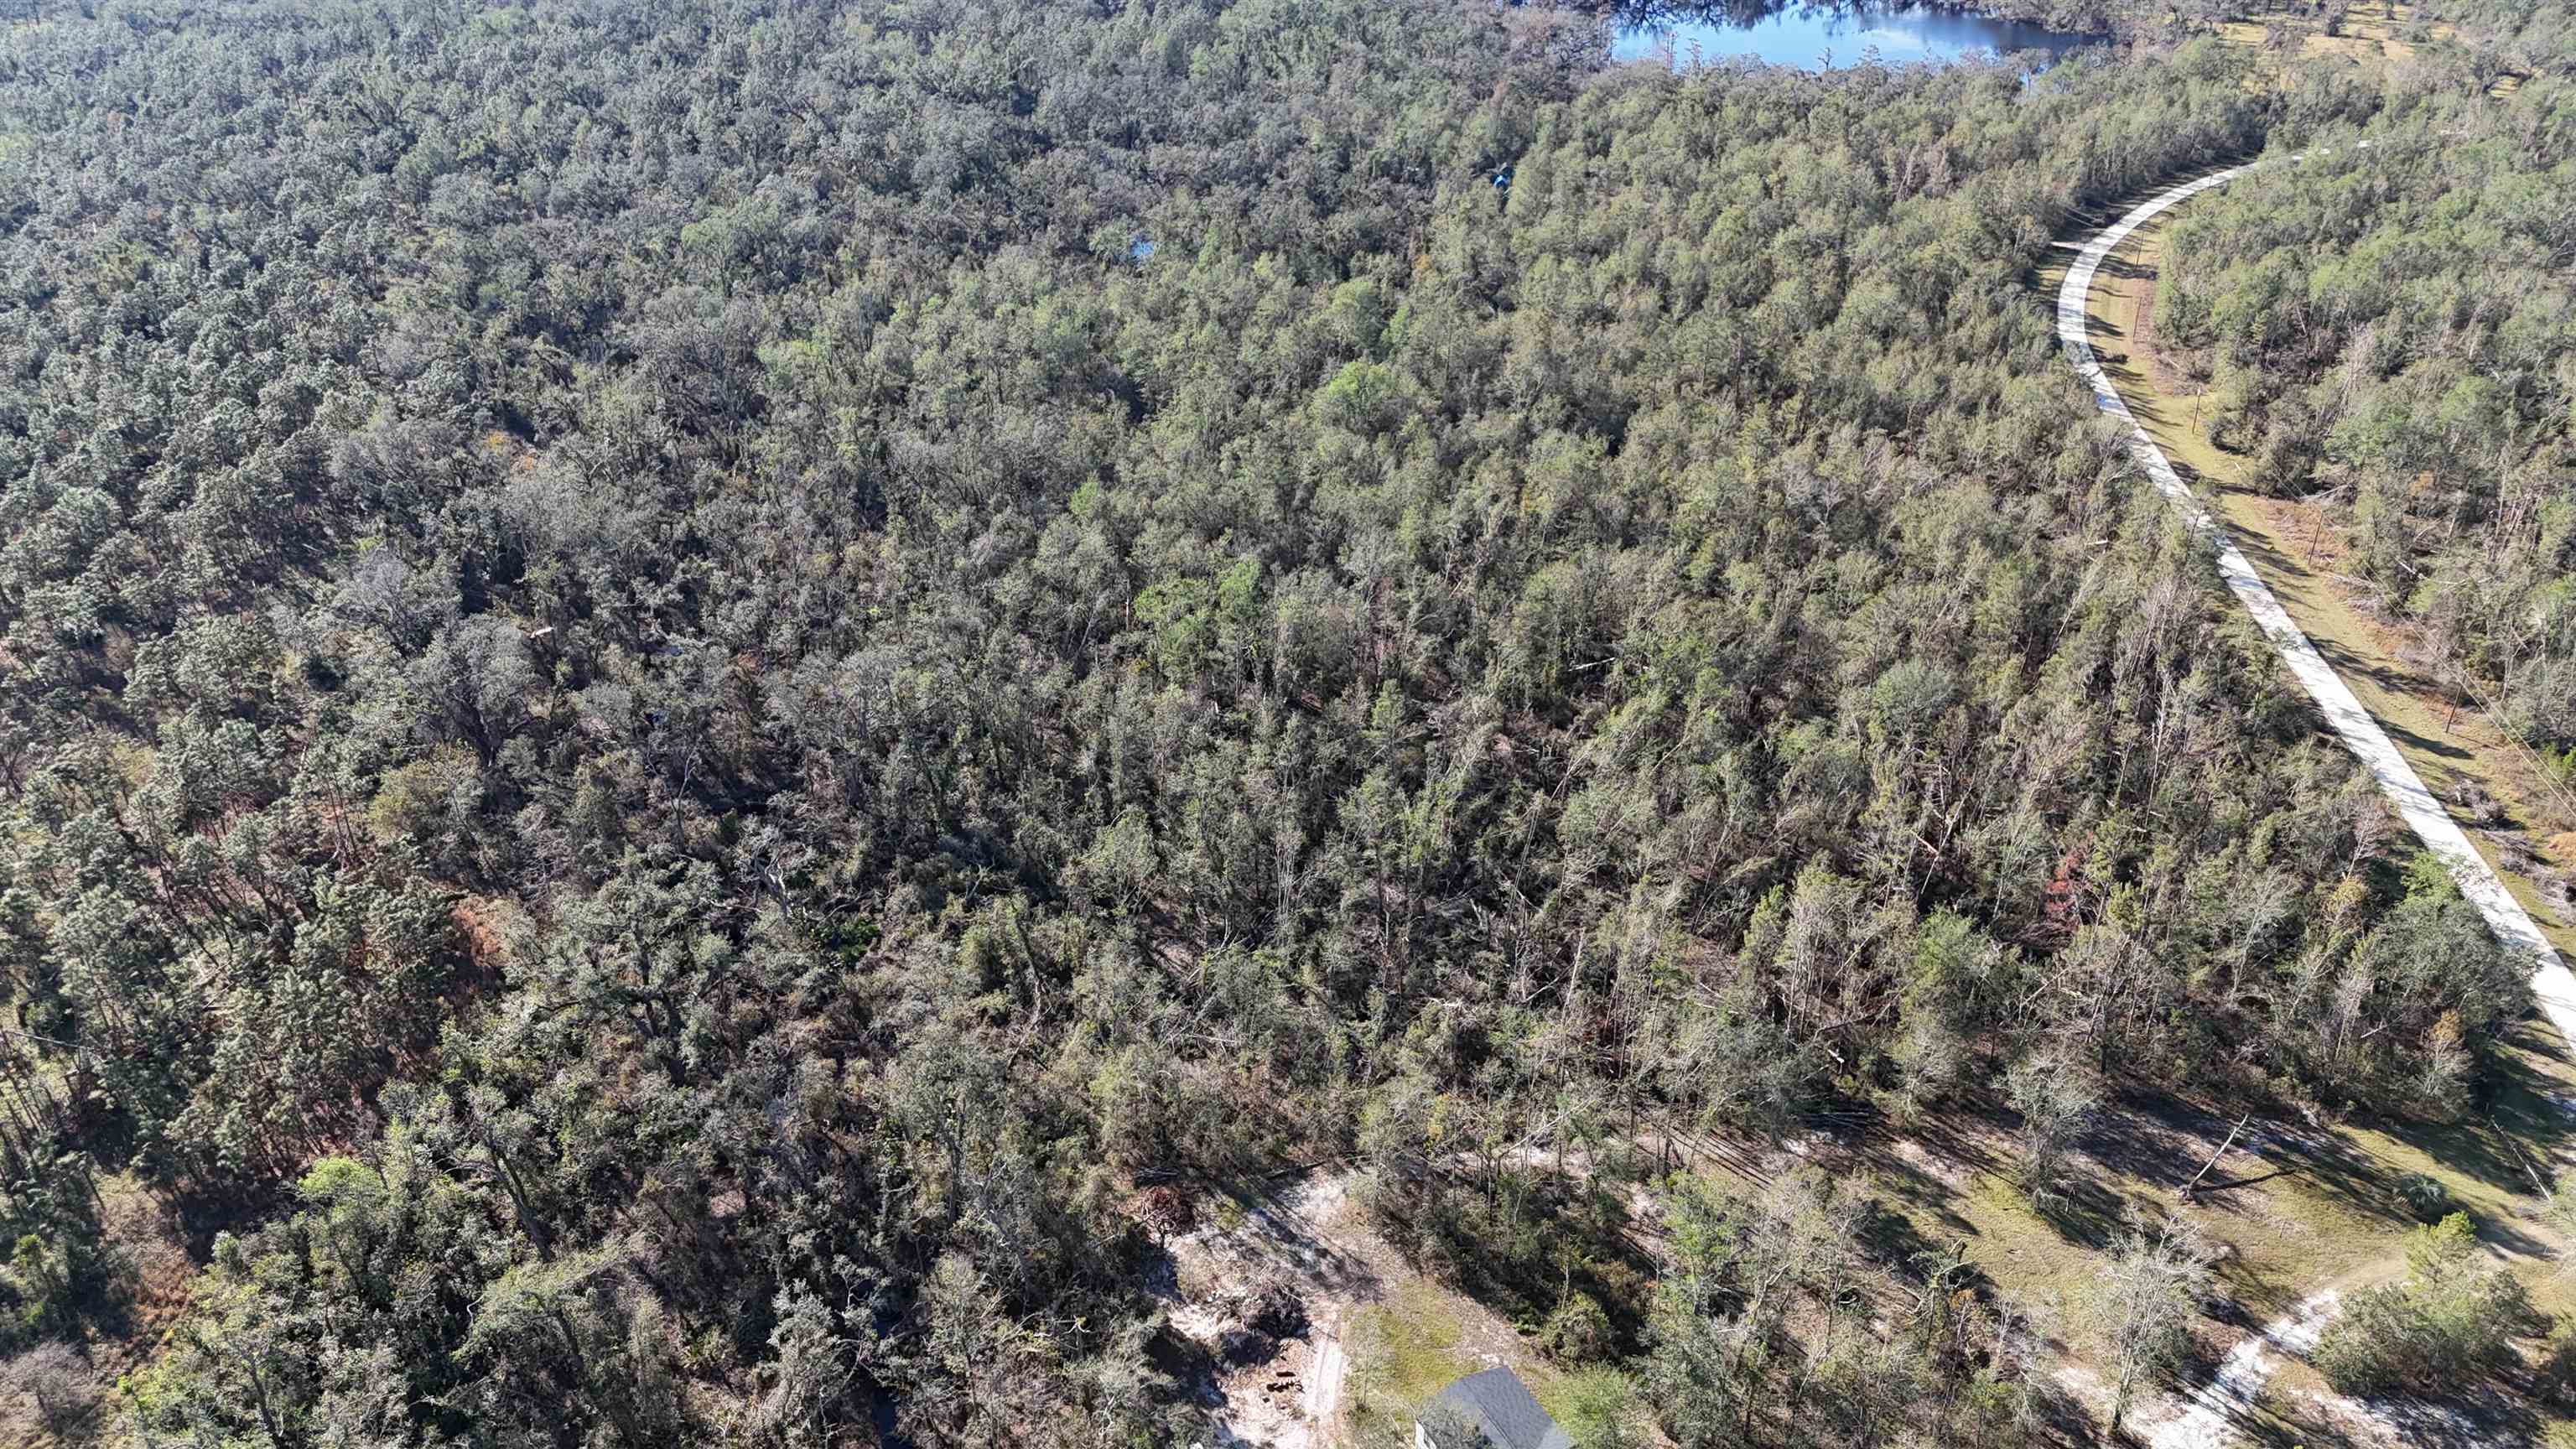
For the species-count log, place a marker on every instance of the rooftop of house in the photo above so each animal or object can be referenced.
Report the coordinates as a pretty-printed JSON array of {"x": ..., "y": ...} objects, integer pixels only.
[{"x": 1497, "y": 1406}]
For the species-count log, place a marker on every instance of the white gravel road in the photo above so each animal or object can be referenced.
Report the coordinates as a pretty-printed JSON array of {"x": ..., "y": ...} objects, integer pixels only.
[{"x": 2552, "y": 986}]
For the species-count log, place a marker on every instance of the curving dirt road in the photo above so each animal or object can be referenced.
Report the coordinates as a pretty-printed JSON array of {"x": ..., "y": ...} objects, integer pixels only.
[{"x": 2553, "y": 988}]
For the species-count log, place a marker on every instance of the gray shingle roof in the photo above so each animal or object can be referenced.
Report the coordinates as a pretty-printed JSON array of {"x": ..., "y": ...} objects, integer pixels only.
[{"x": 1496, "y": 1404}]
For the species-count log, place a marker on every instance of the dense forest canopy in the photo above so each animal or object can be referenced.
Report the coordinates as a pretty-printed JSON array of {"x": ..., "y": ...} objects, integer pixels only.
[{"x": 681, "y": 682}]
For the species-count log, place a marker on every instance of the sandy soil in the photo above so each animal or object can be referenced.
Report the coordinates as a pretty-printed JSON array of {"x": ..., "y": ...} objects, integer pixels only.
[
  {"x": 1263, "y": 1393},
  {"x": 2208, "y": 1416}
]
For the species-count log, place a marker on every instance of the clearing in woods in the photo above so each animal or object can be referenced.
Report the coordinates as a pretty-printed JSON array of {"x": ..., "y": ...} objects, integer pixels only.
[
  {"x": 1370, "y": 1338},
  {"x": 2365, "y": 33},
  {"x": 2360, "y": 35}
]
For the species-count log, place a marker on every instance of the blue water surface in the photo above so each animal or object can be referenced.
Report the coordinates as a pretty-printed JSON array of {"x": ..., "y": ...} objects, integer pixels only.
[{"x": 1826, "y": 37}]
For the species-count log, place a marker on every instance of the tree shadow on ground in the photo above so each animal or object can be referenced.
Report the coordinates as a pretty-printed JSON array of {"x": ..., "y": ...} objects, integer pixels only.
[
  {"x": 1525, "y": 1243},
  {"x": 1897, "y": 1243},
  {"x": 2350, "y": 1175},
  {"x": 2086, "y": 1212},
  {"x": 2158, "y": 1139},
  {"x": 1275, "y": 1231},
  {"x": 1909, "y": 1184},
  {"x": 2471, "y": 1147},
  {"x": 1940, "y": 1136},
  {"x": 2485, "y": 1415},
  {"x": 2123, "y": 268}
]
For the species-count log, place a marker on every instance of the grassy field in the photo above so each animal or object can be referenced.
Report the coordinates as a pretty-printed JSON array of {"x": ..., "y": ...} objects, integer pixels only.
[
  {"x": 2296, "y": 1208},
  {"x": 1404, "y": 1350},
  {"x": 2368, "y": 35}
]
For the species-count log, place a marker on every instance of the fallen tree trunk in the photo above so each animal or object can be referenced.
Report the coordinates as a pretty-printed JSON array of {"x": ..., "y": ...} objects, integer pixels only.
[{"x": 2193, "y": 1186}]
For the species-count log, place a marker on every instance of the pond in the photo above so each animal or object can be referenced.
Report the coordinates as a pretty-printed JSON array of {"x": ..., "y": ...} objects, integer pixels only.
[{"x": 1821, "y": 37}]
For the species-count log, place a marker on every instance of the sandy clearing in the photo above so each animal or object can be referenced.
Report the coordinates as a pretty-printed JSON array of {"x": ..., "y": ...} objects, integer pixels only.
[
  {"x": 1324, "y": 1371},
  {"x": 2209, "y": 1414}
]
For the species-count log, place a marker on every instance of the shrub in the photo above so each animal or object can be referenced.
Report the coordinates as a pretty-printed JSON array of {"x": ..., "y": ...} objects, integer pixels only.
[
  {"x": 2455, "y": 1315},
  {"x": 2422, "y": 1196},
  {"x": 2368, "y": 1347},
  {"x": 2556, "y": 1373},
  {"x": 2057, "y": 1099},
  {"x": 56, "y": 1380},
  {"x": 1578, "y": 1331},
  {"x": 1600, "y": 1410}
]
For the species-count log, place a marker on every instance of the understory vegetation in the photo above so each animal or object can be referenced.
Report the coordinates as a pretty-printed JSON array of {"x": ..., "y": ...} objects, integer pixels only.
[
  {"x": 679, "y": 684},
  {"x": 2453, "y": 1317}
]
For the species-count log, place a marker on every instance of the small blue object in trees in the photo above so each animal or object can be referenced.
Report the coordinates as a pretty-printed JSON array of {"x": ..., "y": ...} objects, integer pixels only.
[
  {"x": 1139, "y": 249},
  {"x": 1503, "y": 179}
]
